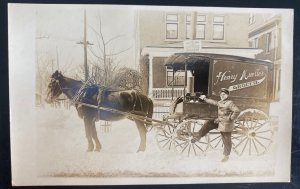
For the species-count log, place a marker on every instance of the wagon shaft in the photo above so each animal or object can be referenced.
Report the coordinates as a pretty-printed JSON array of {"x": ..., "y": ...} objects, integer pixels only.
[{"x": 129, "y": 115}]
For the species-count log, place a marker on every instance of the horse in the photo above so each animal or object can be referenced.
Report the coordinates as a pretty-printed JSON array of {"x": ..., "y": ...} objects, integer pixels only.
[{"x": 127, "y": 101}]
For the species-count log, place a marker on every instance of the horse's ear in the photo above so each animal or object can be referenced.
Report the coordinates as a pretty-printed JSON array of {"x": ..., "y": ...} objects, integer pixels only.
[{"x": 56, "y": 74}]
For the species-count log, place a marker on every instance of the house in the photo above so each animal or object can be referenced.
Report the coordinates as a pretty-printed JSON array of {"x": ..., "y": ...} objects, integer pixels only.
[
  {"x": 162, "y": 34},
  {"x": 265, "y": 34}
]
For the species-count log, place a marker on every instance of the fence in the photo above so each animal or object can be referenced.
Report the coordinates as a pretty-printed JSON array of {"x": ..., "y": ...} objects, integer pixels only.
[{"x": 166, "y": 93}]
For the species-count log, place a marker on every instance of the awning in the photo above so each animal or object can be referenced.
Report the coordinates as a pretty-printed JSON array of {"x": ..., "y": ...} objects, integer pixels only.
[
  {"x": 178, "y": 61},
  {"x": 193, "y": 60}
]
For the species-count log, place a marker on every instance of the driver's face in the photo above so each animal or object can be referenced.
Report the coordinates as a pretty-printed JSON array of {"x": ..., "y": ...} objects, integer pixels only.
[{"x": 223, "y": 96}]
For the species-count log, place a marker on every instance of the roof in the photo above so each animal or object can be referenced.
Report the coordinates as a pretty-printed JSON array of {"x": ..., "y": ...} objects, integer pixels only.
[
  {"x": 178, "y": 60},
  {"x": 204, "y": 44}
]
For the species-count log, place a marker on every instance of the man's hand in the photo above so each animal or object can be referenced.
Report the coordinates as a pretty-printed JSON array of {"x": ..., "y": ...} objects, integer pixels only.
[{"x": 202, "y": 97}]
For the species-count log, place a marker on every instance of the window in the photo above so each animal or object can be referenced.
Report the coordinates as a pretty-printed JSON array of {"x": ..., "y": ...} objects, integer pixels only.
[
  {"x": 255, "y": 43},
  {"x": 200, "y": 27},
  {"x": 201, "y": 18},
  {"x": 251, "y": 19},
  {"x": 179, "y": 79},
  {"x": 269, "y": 37},
  {"x": 218, "y": 19},
  {"x": 188, "y": 27},
  {"x": 200, "y": 31},
  {"x": 218, "y": 28},
  {"x": 171, "y": 26},
  {"x": 218, "y": 32},
  {"x": 276, "y": 87}
]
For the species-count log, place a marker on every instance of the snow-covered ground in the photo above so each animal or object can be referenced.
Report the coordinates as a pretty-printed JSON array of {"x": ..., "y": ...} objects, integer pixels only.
[{"x": 61, "y": 146}]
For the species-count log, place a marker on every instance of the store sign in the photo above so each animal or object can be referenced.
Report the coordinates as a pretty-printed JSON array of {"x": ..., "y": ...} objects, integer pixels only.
[{"x": 192, "y": 46}]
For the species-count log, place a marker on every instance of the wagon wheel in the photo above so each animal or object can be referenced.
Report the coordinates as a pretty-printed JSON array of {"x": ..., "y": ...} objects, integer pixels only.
[
  {"x": 185, "y": 131},
  {"x": 165, "y": 136},
  {"x": 253, "y": 133}
]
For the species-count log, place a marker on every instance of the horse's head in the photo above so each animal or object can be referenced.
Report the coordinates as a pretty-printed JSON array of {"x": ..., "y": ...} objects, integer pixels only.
[{"x": 54, "y": 87}]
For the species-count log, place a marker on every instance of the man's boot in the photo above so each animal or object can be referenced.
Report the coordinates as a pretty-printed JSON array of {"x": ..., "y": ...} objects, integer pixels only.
[{"x": 225, "y": 158}]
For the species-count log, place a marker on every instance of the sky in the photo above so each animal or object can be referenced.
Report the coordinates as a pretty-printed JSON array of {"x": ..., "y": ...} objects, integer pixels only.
[{"x": 59, "y": 29}]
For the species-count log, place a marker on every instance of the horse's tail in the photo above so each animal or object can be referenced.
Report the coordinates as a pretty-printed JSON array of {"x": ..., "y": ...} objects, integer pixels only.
[{"x": 150, "y": 111}]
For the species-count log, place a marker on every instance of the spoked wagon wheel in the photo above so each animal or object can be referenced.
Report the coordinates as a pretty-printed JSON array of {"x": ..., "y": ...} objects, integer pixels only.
[
  {"x": 186, "y": 131},
  {"x": 253, "y": 133},
  {"x": 165, "y": 136},
  {"x": 215, "y": 139}
]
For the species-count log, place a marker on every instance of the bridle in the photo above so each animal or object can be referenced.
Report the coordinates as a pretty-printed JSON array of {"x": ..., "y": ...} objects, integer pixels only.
[{"x": 57, "y": 85}]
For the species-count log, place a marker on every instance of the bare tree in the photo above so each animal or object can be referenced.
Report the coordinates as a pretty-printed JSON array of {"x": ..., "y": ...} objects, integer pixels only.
[
  {"x": 128, "y": 79},
  {"x": 104, "y": 61},
  {"x": 44, "y": 68}
]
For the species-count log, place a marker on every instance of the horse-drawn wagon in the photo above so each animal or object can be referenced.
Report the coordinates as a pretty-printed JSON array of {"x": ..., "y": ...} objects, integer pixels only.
[{"x": 250, "y": 83}]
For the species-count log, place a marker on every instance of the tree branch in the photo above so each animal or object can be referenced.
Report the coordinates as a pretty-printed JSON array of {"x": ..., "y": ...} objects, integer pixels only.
[
  {"x": 117, "y": 53},
  {"x": 113, "y": 38}
]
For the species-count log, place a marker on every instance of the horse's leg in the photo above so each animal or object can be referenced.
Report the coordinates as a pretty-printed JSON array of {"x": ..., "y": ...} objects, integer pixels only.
[
  {"x": 95, "y": 137},
  {"x": 88, "y": 133},
  {"x": 142, "y": 131}
]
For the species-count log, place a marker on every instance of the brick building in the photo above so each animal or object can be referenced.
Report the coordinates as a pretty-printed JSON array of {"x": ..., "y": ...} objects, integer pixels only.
[
  {"x": 162, "y": 34},
  {"x": 265, "y": 34}
]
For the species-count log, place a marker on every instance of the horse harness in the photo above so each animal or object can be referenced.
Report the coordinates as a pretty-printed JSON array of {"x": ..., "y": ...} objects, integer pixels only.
[{"x": 82, "y": 93}]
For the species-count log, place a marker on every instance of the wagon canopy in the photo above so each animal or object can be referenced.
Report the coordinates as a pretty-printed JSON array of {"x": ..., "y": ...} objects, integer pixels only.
[
  {"x": 178, "y": 60},
  {"x": 243, "y": 77}
]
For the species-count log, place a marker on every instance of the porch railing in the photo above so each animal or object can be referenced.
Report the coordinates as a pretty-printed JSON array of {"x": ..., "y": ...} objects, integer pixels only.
[{"x": 166, "y": 93}]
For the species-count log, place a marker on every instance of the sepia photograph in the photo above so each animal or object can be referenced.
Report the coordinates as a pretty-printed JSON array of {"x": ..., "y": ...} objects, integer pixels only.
[{"x": 128, "y": 94}]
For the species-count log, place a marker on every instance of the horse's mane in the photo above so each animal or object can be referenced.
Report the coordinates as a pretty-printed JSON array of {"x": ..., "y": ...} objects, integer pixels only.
[
  {"x": 79, "y": 83},
  {"x": 72, "y": 81}
]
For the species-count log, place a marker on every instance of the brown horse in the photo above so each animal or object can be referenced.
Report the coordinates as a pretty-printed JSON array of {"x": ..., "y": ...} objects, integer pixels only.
[{"x": 129, "y": 101}]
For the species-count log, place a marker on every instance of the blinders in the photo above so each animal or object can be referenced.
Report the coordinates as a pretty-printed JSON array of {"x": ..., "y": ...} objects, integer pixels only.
[{"x": 54, "y": 89}]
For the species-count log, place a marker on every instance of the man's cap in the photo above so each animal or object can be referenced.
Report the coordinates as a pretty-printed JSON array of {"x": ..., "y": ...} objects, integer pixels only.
[{"x": 224, "y": 90}]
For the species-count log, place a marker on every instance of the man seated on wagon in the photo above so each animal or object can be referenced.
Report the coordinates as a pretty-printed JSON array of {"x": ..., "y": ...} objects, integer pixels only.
[{"x": 227, "y": 113}]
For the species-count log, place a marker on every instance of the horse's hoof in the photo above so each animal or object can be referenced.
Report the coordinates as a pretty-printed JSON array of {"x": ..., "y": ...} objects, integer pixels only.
[
  {"x": 90, "y": 150},
  {"x": 97, "y": 150},
  {"x": 140, "y": 150}
]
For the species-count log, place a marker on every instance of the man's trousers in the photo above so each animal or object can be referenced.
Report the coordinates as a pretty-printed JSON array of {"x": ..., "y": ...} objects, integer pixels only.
[{"x": 226, "y": 136}]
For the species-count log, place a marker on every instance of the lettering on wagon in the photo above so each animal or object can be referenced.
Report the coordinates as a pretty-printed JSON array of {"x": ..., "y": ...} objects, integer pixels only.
[
  {"x": 245, "y": 75},
  {"x": 246, "y": 84}
]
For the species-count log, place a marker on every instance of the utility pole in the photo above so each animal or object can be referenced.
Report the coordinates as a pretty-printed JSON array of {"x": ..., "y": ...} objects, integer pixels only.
[
  {"x": 85, "y": 43},
  {"x": 57, "y": 61},
  {"x": 52, "y": 70}
]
